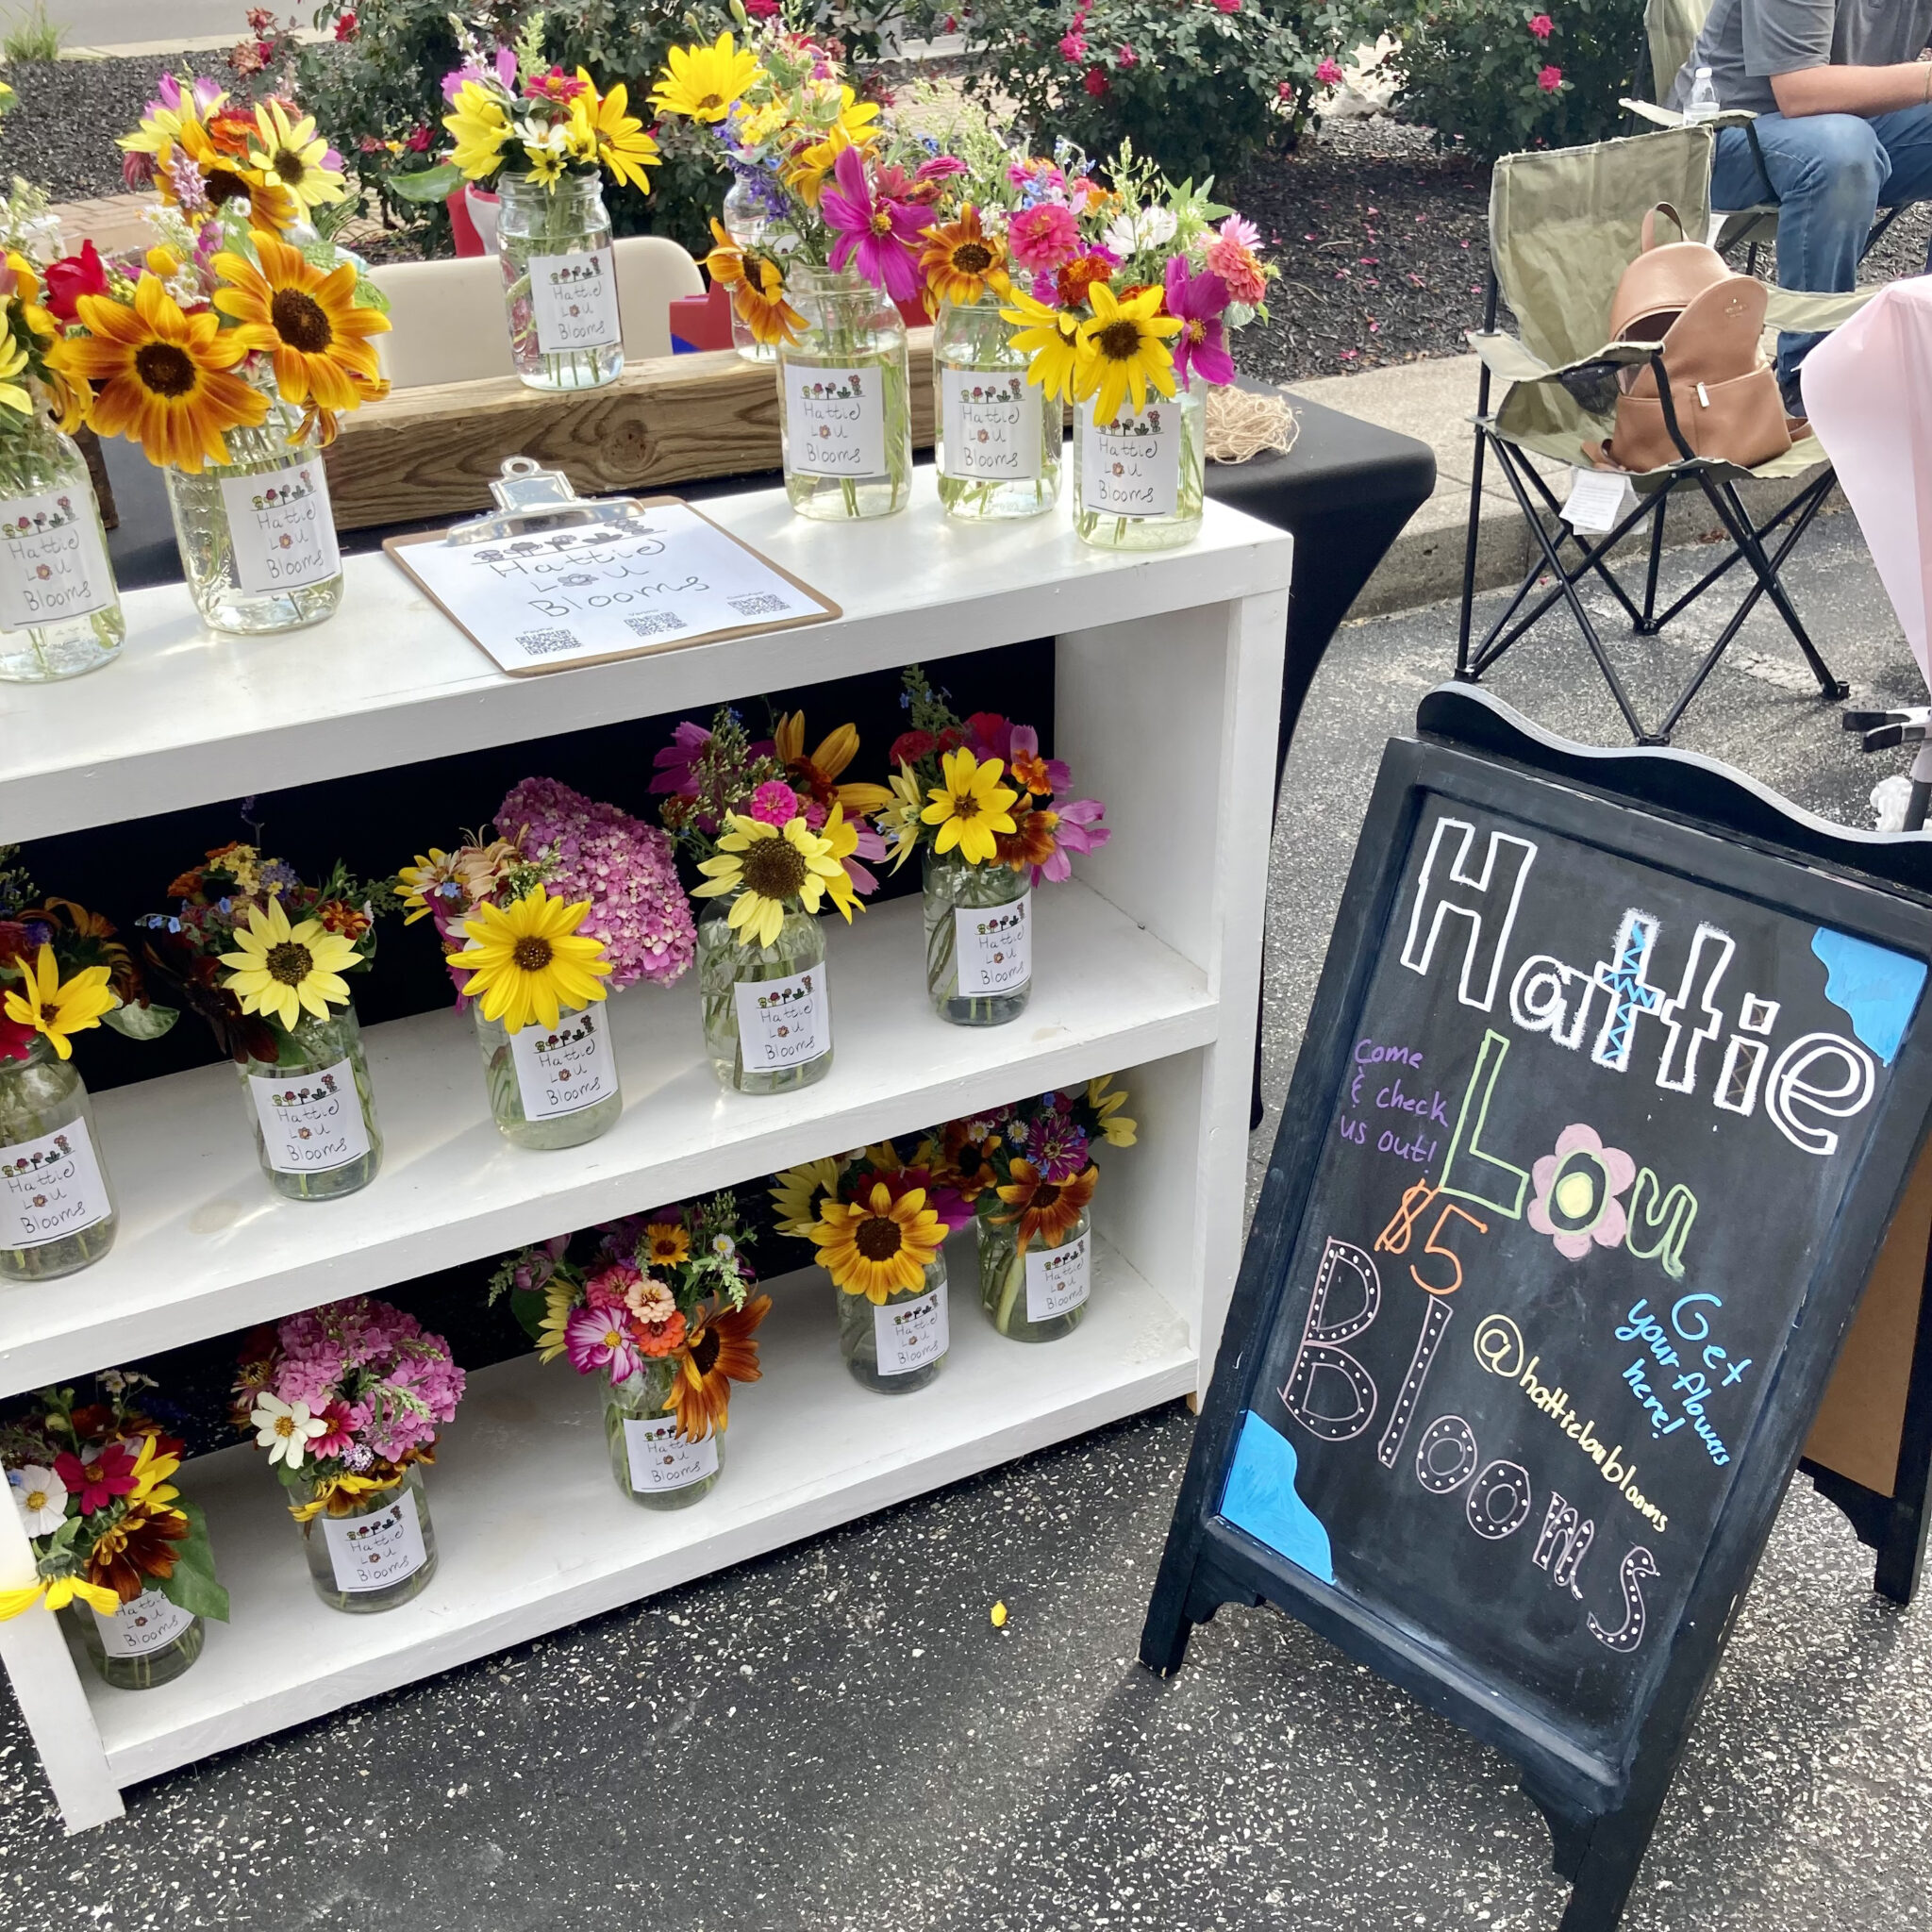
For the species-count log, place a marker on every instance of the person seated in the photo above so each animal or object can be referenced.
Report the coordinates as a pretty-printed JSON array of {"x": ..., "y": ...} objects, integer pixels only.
[{"x": 1844, "y": 103}]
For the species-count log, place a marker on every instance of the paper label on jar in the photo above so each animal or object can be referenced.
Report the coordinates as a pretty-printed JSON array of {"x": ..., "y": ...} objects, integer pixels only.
[
  {"x": 1059, "y": 1279},
  {"x": 565, "y": 1070},
  {"x": 994, "y": 946},
  {"x": 910, "y": 1334},
  {"x": 283, "y": 529},
  {"x": 661, "y": 1459},
  {"x": 1131, "y": 467},
  {"x": 991, "y": 425},
  {"x": 574, "y": 298},
  {"x": 138, "y": 1629},
  {"x": 51, "y": 1187},
  {"x": 53, "y": 565},
  {"x": 372, "y": 1551},
  {"x": 782, "y": 1023},
  {"x": 835, "y": 420},
  {"x": 311, "y": 1122}
]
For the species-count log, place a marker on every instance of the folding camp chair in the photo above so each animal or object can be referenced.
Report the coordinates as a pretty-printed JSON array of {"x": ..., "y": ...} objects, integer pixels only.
[{"x": 1563, "y": 225}]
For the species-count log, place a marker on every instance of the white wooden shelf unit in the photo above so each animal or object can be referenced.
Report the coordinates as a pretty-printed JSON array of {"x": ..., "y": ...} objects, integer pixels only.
[{"x": 1168, "y": 677}]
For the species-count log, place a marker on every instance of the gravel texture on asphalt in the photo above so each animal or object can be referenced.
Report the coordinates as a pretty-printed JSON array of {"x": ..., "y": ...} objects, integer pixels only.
[{"x": 67, "y": 114}]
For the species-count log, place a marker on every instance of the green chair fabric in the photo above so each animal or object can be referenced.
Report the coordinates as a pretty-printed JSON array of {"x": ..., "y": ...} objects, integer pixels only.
[{"x": 1671, "y": 27}]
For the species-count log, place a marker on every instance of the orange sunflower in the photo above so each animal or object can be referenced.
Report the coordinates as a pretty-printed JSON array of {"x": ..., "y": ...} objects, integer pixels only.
[
  {"x": 1031, "y": 844},
  {"x": 161, "y": 377},
  {"x": 719, "y": 1350},
  {"x": 307, "y": 318},
  {"x": 226, "y": 178},
  {"x": 818, "y": 776},
  {"x": 1051, "y": 1209},
  {"x": 758, "y": 290},
  {"x": 138, "y": 1549},
  {"x": 962, "y": 262}
]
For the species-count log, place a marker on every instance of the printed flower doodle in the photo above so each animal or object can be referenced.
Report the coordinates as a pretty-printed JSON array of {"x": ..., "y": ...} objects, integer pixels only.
[{"x": 1576, "y": 1190}]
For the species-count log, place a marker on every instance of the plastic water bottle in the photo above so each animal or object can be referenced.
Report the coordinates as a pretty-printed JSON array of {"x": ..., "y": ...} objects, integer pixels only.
[{"x": 1702, "y": 105}]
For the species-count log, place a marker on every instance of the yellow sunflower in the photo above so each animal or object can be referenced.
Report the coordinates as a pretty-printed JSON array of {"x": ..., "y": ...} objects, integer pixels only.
[
  {"x": 881, "y": 1245},
  {"x": 1049, "y": 1209},
  {"x": 480, "y": 127},
  {"x": 666, "y": 1243},
  {"x": 309, "y": 318},
  {"x": 970, "y": 807},
  {"x": 1119, "y": 1129},
  {"x": 766, "y": 868},
  {"x": 617, "y": 136},
  {"x": 818, "y": 773},
  {"x": 796, "y": 1193},
  {"x": 282, "y": 971},
  {"x": 160, "y": 378},
  {"x": 1049, "y": 338},
  {"x": 1122, "y": 350},
  {"x": 289, "y": 153},
  {"x": 559, "y": 1304},
  {"x": 842, "y": 840},
  {"x": 527, "y": 961},
  {"x": 60, "y": 1592},
  {"x": 962, "y": 262},
  {"x": 900, "y": 819},
  {"x": 758, "y": 290},
  {"x": 805, "y": 173},
  {"x": 476, "y": 870},
  {"x": 701, "y": 82},
  {"x": 56, "y": 1007},
  {"x": 13, "y": 395},
  {"x": 226, "y": 182}
]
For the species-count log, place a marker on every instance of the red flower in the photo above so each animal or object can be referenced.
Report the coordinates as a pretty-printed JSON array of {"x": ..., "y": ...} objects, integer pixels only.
[
  {"x": 1095, "y": 82},
  {"x": 1543, "y": 26},
  {"x": 96, "y": 1483},
  {"x": 16, "y": 1038},
  {"x": 761, "y": 10},
  {"x": 911, "y": 746},
  {"x": 1550, "y": 79},
  {"x": 1329, "y": 72},
  {"x": 419, "y": 138},
  {"x": 345, "y": 28},
  {"x": 72, "y": 277}
]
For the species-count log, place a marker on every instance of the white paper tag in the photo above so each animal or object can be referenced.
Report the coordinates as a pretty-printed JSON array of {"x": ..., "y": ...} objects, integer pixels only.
[
  {"x": 991, "y": 425},
  {"x": 910, "y": 1334},
  {"x": 566, "y": 1071},
  {"x": 1132, "y": 467},
  {"x": 311, "y": 1122},
  {"x": 53, "y": 565},
  {"x": 1059, "y": 1279},
  {"x": 143, "y": 1626},
  {"x": 1597, "y": 498},
  {"x": 661, "y": 1459},
  {"x": 994, "y": 946},
  {"x": 375, "y": 1551},
  {"x": 283, "y": 529},
  {"x": 782, "y": 1023},
  {"x": 835, "y": 420},
  {"x": 50, "y": 1188},
  {"x": 574, "y": 299}
]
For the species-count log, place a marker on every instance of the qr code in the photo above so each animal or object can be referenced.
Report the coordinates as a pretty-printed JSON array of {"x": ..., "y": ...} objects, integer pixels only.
[
  {"x": 759, "y": 604},
  {"x": 654, "y": 623},
  {"x": 542, "y": 644}
]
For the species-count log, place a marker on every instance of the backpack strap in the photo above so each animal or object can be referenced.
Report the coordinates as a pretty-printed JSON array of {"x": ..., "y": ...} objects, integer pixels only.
[{"x": 1663, "y": 208}]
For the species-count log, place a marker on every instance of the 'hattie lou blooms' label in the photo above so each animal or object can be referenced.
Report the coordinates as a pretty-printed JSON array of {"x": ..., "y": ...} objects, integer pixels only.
[
  {"x": 910, "y": 1334},
  {"x": 661, "y": 1459},
  {"x": 51, "y": 1187},
  {"x": 52, "y": 563},
  {"x": 993, "y": 946},
  {"x": 564, "y": 1071},
  {"x": 1131, "y": 467},
  {"x": 282, "y": 527},
  {"x": 372, "y": 1552},
  {"x": 835, "y": 420},
  {"x": 139, "y": 1628},
  {"x": 1059, "y": 1279},
  {"x": 991, "y": 425},
  {"x": 574, "y": 298},
  {"x": 311, "y": 1122},
  {"x": 782, "y": 1023}
]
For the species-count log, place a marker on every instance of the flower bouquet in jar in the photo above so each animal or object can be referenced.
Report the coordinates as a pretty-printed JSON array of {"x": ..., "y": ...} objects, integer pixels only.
[
  {"x": 264, "y": 960},
  {"x": 880, "y": 1229},
  {"x": 347, "y": 1400},
  {"x": 1028, "y": 1171},
  {"x": 62, "y": 972},
  {"x": 571, "y": 901},
  {"x": 229, "y": 349},
  {"x": 777, "y": 835},
  {"x": 991, "y": 818},
  {"x": 663, "y": 1313},
  {"x": 114, "y": 1542}
]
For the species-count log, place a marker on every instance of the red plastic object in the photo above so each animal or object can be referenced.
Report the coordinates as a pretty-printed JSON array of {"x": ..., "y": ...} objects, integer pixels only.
[
  {"x": 460, "y": 226},
  {"x": 701, "y": 322}
]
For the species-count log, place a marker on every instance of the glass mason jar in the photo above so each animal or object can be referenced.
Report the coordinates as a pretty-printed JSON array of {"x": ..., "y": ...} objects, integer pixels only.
[
  {"x": 59, "y": 609},
  {"x": 57, "y": 1208},
  {"x": 653, "y": 1465},
  {"x": 1139, "y": 482},
  {"x": 559, "y": 281},
  {"x": 999, "y": 438},
  {"x": 978, "y": 939},
  {"x": 899, "y": 1344},
  {"x": 257, "y": 534},
  {"x": 377, "y": 1553},
  {"x": 146, "y": 1643},
  {"x": 551, "y": 1089},
  {"x": 1041, "y": 1294},
  {"x": 768, "y": 1020},
  {"x": 752, "y": 220},
  {"x": 313, "y": 1112},
  {"x": 844, "y": 398}
]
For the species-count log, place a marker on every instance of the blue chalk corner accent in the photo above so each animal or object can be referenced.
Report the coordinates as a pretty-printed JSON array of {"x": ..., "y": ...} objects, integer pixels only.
[
  {"x": 1259, "y": 1497},
  {"x": 1878, "y": 988}
]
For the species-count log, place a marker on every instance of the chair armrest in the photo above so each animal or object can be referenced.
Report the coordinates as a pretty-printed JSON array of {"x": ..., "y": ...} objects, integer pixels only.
[
  {"x": 1506, "y": 358},
  {"x": 1802, "y": 311}
]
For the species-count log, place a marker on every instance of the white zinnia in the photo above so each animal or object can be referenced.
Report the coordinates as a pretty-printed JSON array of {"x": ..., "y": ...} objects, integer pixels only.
[
  {"x": 1147, "y": 227},
  {"x": 285, "y": 1429},
  {"x": 41, "y": 1496}
]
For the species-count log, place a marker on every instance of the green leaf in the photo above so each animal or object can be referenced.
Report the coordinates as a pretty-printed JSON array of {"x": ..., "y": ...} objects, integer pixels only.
[
  {"x": 425, "y": 184},
  {"x": 193, "y": 1586},
  {"x": 529, "y": 1307},
  {"x": 141, "y": 1022}
]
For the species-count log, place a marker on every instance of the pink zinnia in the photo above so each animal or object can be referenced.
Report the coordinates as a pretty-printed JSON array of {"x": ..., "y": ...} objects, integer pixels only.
[
  {"x": 596, "y": 1338},
  {"x": 1044, "y": 238},
  {"x": 608, "y": 1288},
  {"x": 876, "y": 232},
  {"x": 774, "y": 803},
  {"x": 1231, "y": 255},
  {"x": 940, "y": 168},
  {"x": 1550, "y": 79},
  {"x": 1197, "y": 302}
]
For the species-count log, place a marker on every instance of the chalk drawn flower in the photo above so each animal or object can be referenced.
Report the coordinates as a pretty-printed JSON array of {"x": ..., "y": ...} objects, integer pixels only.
[{"x": 1576, "y": 1190}]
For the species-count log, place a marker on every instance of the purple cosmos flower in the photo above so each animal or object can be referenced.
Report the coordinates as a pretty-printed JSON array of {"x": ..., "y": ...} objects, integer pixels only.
[
  {"x": 875, "y": 231},
  {"x": 1080, "y": 830},
  {"x": 675, "y": 762},
  {"x": 597, "y": 1340},
  {"x": 1196, "y": 301},
  {"x": 1023, "y": 750},
  {"x": 871, "y": 845},
  {"x": 505, "y": 72}
]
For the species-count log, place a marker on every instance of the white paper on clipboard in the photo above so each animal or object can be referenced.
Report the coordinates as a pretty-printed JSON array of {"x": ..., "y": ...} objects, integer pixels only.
[{"x": 584, "y": 595}]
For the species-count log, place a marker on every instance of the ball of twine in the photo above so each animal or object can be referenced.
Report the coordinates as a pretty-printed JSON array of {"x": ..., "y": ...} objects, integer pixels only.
[{"x": 1241, "y": 424}]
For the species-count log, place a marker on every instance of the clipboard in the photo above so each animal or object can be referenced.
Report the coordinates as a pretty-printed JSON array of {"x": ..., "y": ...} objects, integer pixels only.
[{"x": 553, "y": 580}]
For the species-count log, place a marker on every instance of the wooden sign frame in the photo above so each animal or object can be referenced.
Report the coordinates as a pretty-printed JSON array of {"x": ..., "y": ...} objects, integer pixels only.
[{"x": 1706, "y": 824}]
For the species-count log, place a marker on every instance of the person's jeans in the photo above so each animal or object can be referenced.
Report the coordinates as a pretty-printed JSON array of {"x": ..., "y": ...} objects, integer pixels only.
[{"x": 1829, "y": 175}]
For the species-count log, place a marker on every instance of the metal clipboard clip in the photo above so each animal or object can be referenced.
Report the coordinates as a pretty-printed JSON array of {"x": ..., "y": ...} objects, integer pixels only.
[{"x": 535, "y": 502}]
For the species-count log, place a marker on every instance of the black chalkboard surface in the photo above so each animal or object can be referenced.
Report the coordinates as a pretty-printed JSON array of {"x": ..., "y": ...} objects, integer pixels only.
[{"x": 1600, "y": 1120}]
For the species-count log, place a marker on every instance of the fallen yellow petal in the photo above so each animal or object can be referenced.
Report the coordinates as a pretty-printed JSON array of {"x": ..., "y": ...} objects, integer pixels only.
[{"x": 999, "y": 1616}]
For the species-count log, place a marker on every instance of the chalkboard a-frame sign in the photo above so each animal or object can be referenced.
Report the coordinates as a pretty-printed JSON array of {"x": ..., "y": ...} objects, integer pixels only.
[{"x": 1599, "y": 1122}]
